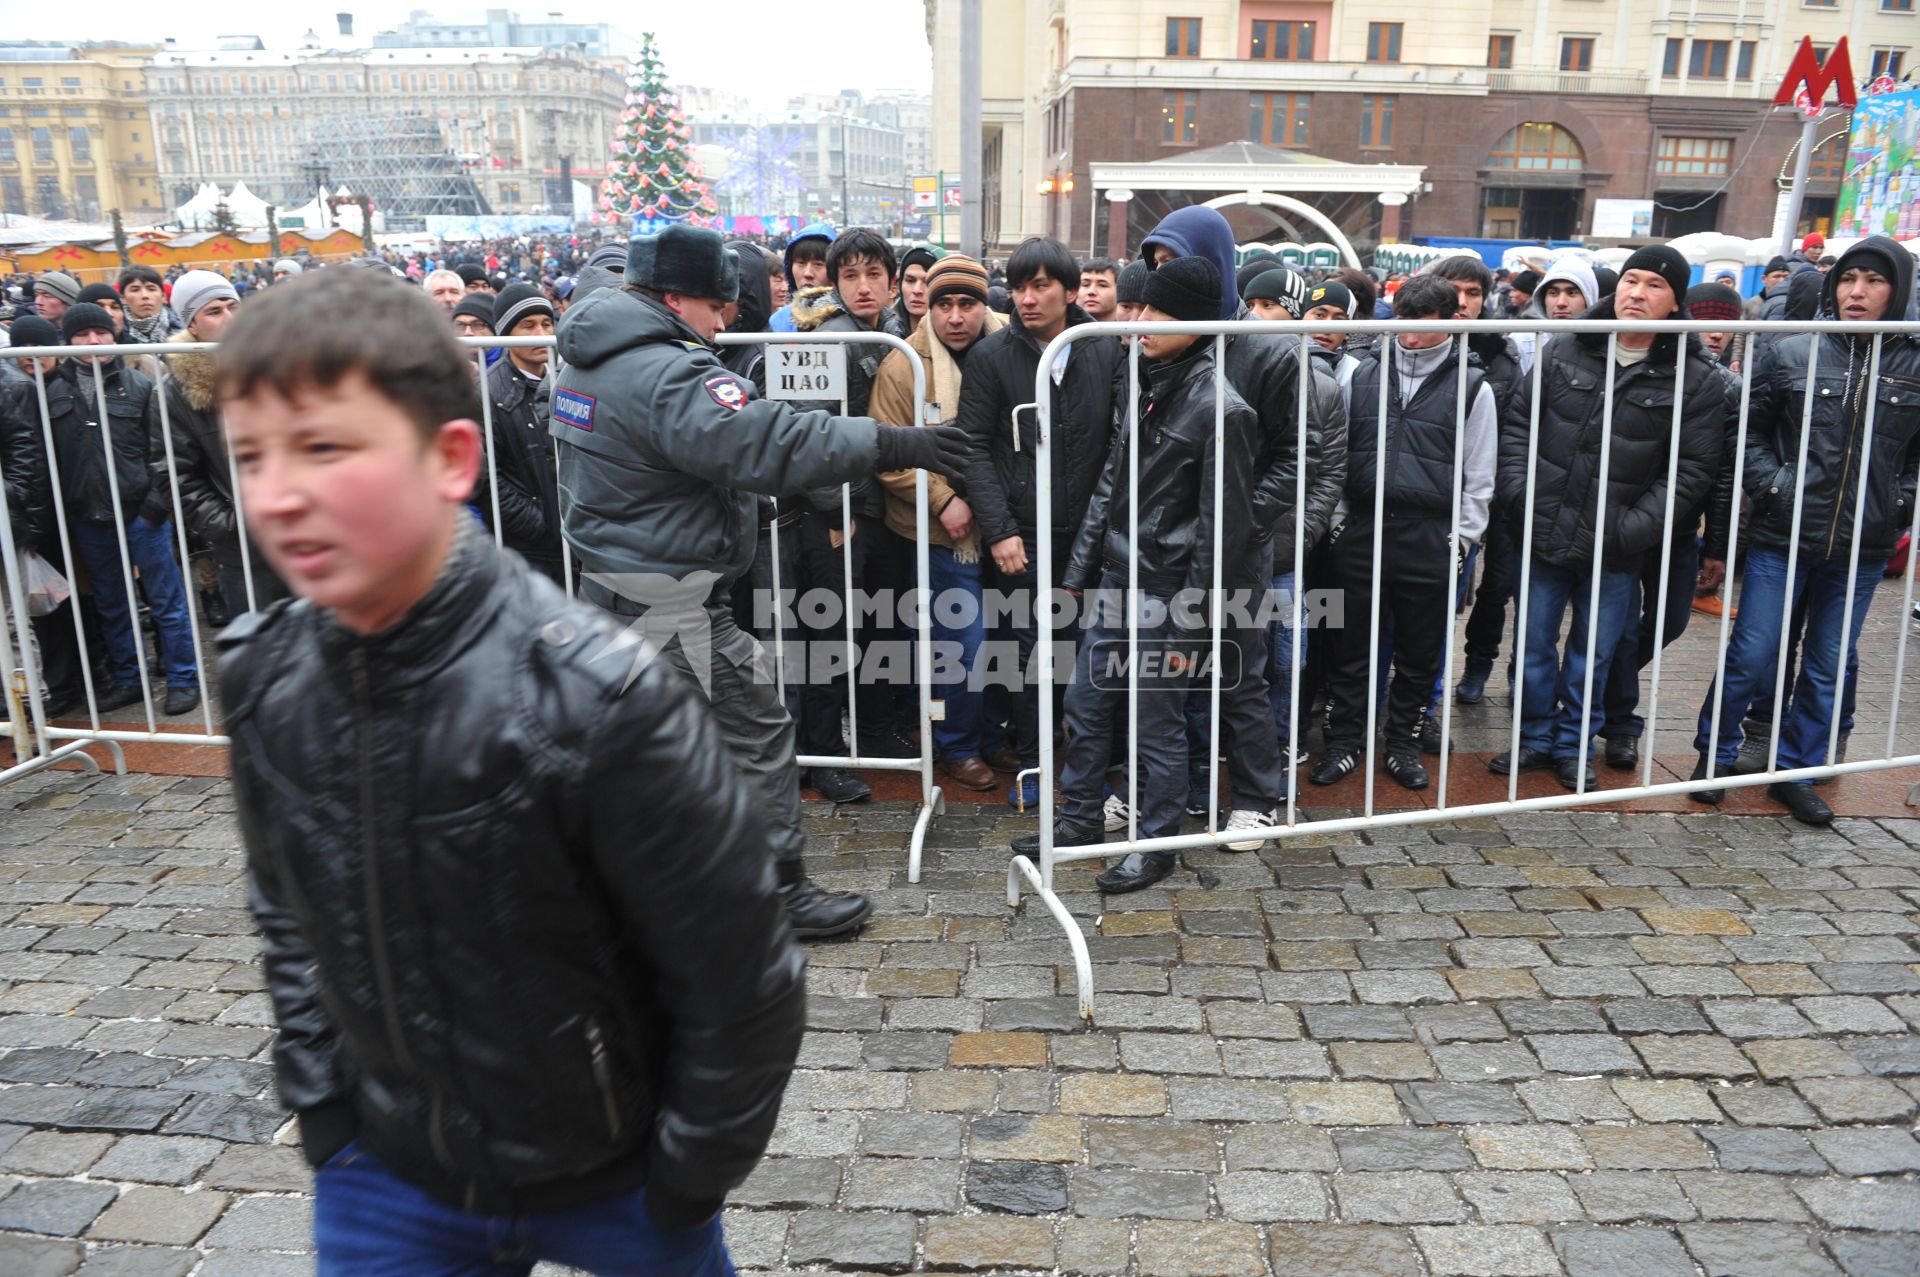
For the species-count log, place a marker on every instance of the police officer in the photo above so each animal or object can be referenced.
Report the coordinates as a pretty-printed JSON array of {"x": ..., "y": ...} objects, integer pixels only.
[{"x": 661, "y": 452}]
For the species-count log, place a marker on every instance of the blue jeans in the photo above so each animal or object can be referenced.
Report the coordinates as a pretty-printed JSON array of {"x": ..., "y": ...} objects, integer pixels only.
[
  {"x": 150, "y": 548},
  {"x": 368, "y": 1222},
  {"x": 1552, "y": 686},
  {"x": 959, "y": 629},
  {"x": 1754, "y": 651},
  {"x": 1282, "y": 638}
]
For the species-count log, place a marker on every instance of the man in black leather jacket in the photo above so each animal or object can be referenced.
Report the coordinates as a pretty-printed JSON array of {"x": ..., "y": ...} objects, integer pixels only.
[
  {"x": 1861, "y": 431},
  {"x": 1167, "y": 530},
  {"x": 521, "y": 933}
]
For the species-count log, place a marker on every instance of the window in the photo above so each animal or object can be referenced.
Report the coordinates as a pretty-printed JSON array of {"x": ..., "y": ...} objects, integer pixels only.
[
  {"x": 1896, "y": 6},
  {"x": 1694, "y": 157},
  {"x": 1282, "y": 41},
  {"x": 42, "y": 145},
  {"x": 1183, "y": 39},
  {"x": 1177, "y": 112},
  {"x": 1383, "y": 41},
  {"x": 75, "y": 112},
  {"x": 1670, "y": 64},
  {"x": 1376, "y": 122},
  {"x": 1280, "y": 119},
  {"x": 1576, "y": 53},
  {"x": 1708, "y": 60},
  {"x": 1829, "y": 162},
  {"x": 13, "y": 193},
  {"x": 69, "y": 81},
  {"x": 333, "y": 82},
  {"x": 1744, "y": 69},
  {"x": 81, "y": 143},
  {"x": 6, "y": 145},
  {"x": 1538, "y": 148},
  {"x": 1820, "y": 4},
  {"x": 1888, "y": 62},
  {"x": 36, "y": 112},
  {"x": 1500, "y": 52},
  {"x": 509, "y": 192}
]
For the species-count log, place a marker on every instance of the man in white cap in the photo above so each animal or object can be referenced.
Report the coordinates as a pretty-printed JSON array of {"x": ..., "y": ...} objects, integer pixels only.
[{"x": 285, "y": 269}]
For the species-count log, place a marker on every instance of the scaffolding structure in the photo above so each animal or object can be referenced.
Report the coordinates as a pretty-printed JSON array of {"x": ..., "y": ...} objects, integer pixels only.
[{"x": 400, "y": 159}]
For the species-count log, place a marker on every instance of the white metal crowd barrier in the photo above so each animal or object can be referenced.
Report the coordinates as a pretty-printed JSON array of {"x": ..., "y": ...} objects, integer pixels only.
[
  {"x": 40, "y": 743},
  {"x": 1039, "y": 877}
]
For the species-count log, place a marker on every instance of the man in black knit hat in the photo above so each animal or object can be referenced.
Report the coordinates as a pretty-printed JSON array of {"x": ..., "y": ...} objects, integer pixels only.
[{"x": 1174, "y": 436}]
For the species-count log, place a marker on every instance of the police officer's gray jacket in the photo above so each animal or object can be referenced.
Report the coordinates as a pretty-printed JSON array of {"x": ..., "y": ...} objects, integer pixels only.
[{"x": 662, "y": 448}]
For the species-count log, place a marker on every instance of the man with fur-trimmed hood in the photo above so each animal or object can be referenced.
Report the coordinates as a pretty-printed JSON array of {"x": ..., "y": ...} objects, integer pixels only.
[{"x": 206, "y": 302}]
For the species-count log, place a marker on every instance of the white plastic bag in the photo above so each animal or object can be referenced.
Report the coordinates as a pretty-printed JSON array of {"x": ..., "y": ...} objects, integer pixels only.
[{"x": 46, "y": 588}]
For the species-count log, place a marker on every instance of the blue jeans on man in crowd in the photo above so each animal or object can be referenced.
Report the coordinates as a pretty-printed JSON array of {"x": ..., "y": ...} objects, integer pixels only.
[
  {"x": 1097, "y": 700},
  {"x": 958, "y": 627},
  {"x": 1635, "y": 650},
  {"x": 1553, "y": 685},
  {"x": 1282, "y": 639},
  {"x": 368, "y": 1222},
  {"x": 150, "y": 549},
  {"x": 1754, "y": 650}
]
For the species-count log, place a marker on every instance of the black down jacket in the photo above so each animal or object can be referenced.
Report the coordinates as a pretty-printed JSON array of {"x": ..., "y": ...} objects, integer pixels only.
[
  {"x": 1266, "y": 371},
  {"x": 1000, "y": 476},
  {"x": 523, "y": 455},
  {"x": 133, "y": 416},
  {"x": 1572, "y": 429},
  {"x": 1178, "y": 462},
  {"x": 23, "y": 464},
  {"x": 1837, "y": 446},
  {"x": 520, "y": 923}
]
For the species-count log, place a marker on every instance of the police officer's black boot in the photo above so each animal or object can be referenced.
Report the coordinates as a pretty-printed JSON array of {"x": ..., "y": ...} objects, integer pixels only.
[{"x": 815, "y": 913}]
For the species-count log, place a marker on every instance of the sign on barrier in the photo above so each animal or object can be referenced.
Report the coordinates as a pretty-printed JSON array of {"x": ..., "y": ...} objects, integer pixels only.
[{"x": 800, "y": 372}]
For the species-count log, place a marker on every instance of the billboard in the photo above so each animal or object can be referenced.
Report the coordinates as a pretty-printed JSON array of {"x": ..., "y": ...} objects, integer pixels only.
[{"x": 1880, "y": 192}]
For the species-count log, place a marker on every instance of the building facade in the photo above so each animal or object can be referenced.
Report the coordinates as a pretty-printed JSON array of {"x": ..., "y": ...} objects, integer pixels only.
[
  {"x": 1521, "y": 114},
  {"x": 514, "y": 122},
  {"x": 75, "y": 141},
  {"x": 503, "y": 28}
]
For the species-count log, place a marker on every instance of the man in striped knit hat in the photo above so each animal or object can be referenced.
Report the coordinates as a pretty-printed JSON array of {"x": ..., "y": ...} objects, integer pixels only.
[{"x": 957, "y": 317}]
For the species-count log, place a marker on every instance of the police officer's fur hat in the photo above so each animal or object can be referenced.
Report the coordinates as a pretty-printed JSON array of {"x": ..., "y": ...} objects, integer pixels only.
[{"x": 685, "y": 259}]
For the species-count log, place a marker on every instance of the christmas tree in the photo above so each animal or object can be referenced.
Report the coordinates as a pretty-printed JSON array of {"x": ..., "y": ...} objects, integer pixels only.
[{"x": 652, "y": 177}]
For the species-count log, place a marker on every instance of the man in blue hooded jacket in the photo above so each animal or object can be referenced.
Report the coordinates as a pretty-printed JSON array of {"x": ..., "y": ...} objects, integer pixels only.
[
  {"x": 806, "y": 262},
  {"x": 1265, "y": 372}
]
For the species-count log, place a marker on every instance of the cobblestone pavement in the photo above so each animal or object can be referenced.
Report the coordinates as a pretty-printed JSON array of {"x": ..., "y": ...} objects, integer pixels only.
[{"x": 1589, "y": 1044}]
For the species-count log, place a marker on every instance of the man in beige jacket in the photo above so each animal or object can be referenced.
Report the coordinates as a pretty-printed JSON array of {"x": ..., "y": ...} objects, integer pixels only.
[{"x": 957, "y": 317}]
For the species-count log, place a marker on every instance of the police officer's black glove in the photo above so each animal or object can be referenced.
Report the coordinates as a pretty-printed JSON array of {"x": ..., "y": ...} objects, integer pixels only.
[{"x": 942, "y": 449}]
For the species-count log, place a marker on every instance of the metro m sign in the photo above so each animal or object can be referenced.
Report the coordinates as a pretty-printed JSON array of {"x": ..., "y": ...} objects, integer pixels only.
[{"x": 1807, "y": 70}]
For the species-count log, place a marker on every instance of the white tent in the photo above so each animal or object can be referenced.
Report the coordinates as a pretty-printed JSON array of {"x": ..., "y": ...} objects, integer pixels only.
[
  {"x": 200, "y": 208},
  {"x": 313, "y": 215},
  {"x": 246, "y": 208}
]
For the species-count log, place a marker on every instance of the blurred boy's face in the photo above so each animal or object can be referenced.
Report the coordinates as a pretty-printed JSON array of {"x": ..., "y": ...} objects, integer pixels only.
[
  {"x": 913, "y": 289},
  {"x": 351, "y": 506},
  {"x": 1330, "y": 341},
  {"x": 1097, "y": 291},
  {"x": 777, "y": 284},
  {"x": 810, "y": 272},
  {"x": 1267, "y": 308},
  {"x": 144, "y": 298}
]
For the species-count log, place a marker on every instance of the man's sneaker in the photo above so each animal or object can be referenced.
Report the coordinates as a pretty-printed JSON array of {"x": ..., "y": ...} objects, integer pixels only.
[
  {"x": 119, "y": 696},
  {"x": 1297, "y": 759},
  {"x": 1118, "y": 815},
  {"x": 1407, "y": 769},
  {"x": 1197, "y": 804},
  {"x": 1024, "y": 794},
  {"x": 1574, "y": 773},
  {"x": 1334, "y": 766},
  {"x": 1472, "y": 688},
  {"x": 182, "y": 700},
  {"x": 1806, "y": 806},
  {"x": 837, "y": 785},
  {"x": 1756, "y": 743},
  {"x": 817, "y": 914},
  {"x": 1242, "y": 818},
  {"x": 1429, "y": 734},
  {"x": 1712, "y": 797},
  {"x": 1064, "y": 835}
]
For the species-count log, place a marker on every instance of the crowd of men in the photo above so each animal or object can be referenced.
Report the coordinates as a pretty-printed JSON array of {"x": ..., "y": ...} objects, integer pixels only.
[{"x": 1392, "y": 532}]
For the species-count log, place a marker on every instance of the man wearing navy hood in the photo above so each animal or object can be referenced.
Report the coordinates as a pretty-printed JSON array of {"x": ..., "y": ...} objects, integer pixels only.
[
  {"x": 1854, "y": 440},
  {"x": 806, "y": 263},
  {"x": 1264, "y": 371}
]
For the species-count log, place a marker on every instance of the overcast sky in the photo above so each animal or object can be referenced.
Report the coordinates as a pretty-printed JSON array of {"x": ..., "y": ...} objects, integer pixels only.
[{"x": 763, "y": 50}]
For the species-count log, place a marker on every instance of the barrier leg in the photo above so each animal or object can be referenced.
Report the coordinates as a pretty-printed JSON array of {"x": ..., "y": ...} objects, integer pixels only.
[{"x": 1021, "y": 867}]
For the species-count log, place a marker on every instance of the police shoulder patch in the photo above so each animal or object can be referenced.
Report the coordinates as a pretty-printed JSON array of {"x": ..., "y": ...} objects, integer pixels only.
[
  {"x": 727, "y": 392},
  {"x": 571, "y": 408}
]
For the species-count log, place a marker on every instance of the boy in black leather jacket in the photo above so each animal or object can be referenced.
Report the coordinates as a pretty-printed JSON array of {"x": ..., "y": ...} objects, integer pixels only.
[{"x": 530, "y": 971}]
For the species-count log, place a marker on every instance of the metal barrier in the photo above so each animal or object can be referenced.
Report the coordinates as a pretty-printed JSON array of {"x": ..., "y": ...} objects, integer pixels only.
[
  {"x": 39, "y": 743},
  {"x": 1039, "y": 877}
]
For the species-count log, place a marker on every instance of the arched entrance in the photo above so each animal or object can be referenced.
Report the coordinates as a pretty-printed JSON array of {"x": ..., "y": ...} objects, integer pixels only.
[
  {"x": 1533, "y": 186},
  {"x": 1298, "y": 208}
]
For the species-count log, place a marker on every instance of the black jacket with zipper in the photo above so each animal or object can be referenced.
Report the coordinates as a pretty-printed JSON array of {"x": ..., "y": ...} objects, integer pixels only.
[
  {"x": 1837, "y": 446},
  {"x": 23, "y": 464},
  {"x": 1573, "y": 397},
  {"x": 1178, "y": 467},
  {"x": 1000, "y": 475},
  {"x": 1265, "y": 370},
  {"x": 523, "y": 455},
  {"x": 521, "y": 929},
  {"x": 133, "y": 417}
]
